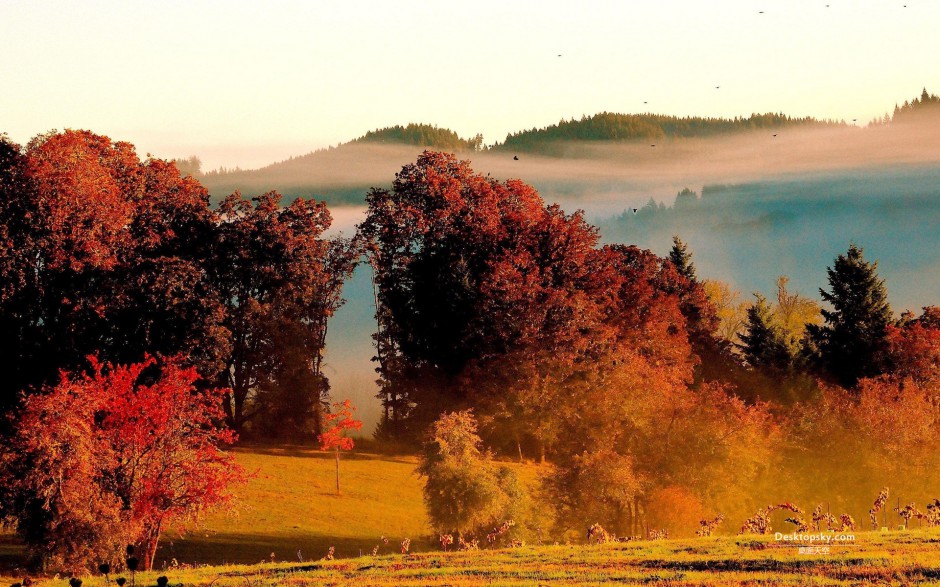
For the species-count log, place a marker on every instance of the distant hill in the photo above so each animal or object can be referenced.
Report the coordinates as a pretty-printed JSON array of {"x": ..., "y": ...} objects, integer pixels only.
[
  {"x": 610, "y": 126},
  {"x": 422, "y": 135},
  {"x": 343, "y": 174}
]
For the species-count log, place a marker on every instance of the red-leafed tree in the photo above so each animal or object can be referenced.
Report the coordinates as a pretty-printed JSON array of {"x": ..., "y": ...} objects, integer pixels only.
[
  {"x": 106, "y": 256},
  {"x": 914, "y": 346},
  {"x": 468, "y": 269},
  {"x": 338, "y": 424},
  {"x": 110, "y": 458}
]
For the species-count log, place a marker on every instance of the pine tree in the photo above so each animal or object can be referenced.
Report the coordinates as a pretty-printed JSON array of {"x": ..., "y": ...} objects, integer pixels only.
[
  {"x": 682, "y": 258},
  {"x": 765, "y": 344},
  {"x": 852, "y": 341}
]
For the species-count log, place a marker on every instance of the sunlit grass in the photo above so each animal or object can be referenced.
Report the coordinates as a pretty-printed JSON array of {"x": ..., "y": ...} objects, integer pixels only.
[
  {"x": 290, "y": 505},
  {"x": 875, "y": 558}
]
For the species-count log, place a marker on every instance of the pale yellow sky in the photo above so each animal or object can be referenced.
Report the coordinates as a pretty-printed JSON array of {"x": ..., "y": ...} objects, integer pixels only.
[{"x": 250, "y": 83}]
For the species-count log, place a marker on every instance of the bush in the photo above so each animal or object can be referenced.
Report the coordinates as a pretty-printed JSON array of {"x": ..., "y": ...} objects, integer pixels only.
[{"x": 465, "y": 492}]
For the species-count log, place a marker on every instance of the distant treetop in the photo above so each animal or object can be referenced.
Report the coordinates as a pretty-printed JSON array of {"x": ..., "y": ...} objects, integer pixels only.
[
  {"x": 925, "y": 104},
  {"x": 422, "y": 135}
]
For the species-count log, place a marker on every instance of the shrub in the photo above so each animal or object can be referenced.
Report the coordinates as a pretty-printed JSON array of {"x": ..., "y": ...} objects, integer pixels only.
[{"x": 107, "y": 459}]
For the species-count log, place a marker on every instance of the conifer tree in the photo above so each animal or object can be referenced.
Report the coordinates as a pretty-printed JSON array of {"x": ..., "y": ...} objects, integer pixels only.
[
  {"x": 852, "y": 342},
  {"x": 765, "y": 343},
  {"x": 682, "y": 258}
]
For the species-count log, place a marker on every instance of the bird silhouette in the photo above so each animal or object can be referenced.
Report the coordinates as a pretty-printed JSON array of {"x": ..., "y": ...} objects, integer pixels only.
[
  {"x": 775, "y": 135},
  {"x": 515, "y": 157},
  {"x": 652, "y": 145}
]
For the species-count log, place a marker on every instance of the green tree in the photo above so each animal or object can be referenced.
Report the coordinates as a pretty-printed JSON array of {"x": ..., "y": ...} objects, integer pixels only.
[
  {"x": 852, "y": 342},
  {"x": 765, "y": 343},
  {"x": 682, "y": 258},
  {"x": 465, "y": 492}
]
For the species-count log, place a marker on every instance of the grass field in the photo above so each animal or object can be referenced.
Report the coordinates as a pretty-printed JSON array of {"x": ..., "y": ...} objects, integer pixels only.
[
  {"x": 897, "y": 558},
  {"x": 289, "y": 505}
]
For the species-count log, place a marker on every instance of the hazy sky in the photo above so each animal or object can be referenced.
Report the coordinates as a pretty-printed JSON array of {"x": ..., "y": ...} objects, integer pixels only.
[{"x": 250, "y": 83}]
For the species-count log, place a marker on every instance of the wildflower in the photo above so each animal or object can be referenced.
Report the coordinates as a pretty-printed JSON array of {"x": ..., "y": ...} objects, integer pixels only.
[
  {"x": 662, "y": 534},
  {"x": 596, "y": 533},
  {"x": 877, "y": 507},
  {"x": 709, "y": 526}
]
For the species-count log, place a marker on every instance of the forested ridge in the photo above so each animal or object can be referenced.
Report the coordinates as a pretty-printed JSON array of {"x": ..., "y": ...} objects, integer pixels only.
[{"x": 609, "y": 126}]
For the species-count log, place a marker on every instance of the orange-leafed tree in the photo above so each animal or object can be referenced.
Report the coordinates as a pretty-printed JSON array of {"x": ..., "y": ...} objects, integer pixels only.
[
  {"x": 109, "y": 458},
  {"x": 338, "y": 424}
]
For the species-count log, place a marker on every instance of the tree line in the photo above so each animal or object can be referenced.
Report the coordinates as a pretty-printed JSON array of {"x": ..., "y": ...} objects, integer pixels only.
[
  {"x": 611, "y": 126},
  {"x": 107, "y": 255},
  {"x": 609, "y": 363},
  {"x": 422, "y": 135}
]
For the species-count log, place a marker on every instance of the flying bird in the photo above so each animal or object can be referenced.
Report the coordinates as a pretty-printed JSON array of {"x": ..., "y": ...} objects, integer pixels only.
[
  {"x": 515, "y": 157},
  {"x": 652, "y": 145}
]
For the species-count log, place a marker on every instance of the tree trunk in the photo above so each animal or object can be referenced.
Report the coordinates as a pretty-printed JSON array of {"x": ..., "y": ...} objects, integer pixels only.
[
  {"x": 150, "y": 547},
  {"x": 519, "y": 447},
  {"x": 337, "y": 471},
  {"x": 638, "y": 530}
]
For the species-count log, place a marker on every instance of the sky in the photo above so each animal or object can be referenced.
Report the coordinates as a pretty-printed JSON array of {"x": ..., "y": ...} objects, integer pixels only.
[{"x": 246, "y": 84}]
